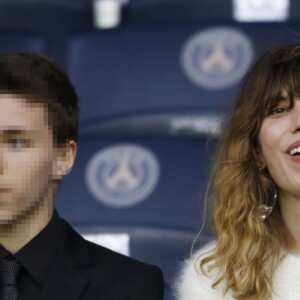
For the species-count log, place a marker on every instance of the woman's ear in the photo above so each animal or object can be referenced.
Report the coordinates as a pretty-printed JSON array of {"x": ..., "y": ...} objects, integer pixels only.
[{"x": 259, "y": 158}]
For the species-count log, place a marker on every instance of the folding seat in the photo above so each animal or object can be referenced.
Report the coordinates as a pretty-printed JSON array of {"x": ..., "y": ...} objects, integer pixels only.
[
  {"x": 14, "y": 41},
  {"x": 52, "y": 17},
  {"x": 41, "y": 26},
  {"x": 144, "y": 191}
]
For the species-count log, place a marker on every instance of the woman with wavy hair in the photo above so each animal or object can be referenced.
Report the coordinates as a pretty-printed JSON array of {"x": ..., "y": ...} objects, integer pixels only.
[{"x": 254, "y": 192}]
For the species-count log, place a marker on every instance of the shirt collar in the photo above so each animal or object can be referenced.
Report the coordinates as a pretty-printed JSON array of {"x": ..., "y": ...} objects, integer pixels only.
[
  {"x": 37, "y": 255},
  {"x": 3, "y": 252}
]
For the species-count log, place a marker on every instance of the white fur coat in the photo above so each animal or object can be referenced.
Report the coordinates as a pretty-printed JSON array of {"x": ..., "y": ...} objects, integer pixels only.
[{"x": 192, "y": 284}]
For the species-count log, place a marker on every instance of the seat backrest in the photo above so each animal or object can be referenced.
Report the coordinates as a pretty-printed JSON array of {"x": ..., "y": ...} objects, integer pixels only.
[{"x": 141, "y": 181}]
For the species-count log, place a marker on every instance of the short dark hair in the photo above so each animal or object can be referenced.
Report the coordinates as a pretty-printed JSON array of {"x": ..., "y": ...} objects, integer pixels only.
[{"x": 41, "y": 80}]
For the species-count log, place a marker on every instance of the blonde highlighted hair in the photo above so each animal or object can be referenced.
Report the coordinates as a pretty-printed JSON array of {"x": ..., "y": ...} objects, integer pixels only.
[{"x": 248, "y": 250}]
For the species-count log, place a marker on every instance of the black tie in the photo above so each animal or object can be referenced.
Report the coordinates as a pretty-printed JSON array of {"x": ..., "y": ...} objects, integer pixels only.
[{"x": 9, "y": 271}]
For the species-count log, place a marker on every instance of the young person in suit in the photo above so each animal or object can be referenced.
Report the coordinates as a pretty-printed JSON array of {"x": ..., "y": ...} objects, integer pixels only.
[{"x": 38, "y": 142}]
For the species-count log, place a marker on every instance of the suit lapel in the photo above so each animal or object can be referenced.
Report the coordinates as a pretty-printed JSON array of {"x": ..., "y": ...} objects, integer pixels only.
[
  {"x": 65, "y": 283},
  {"x": 65, "y": 280}
]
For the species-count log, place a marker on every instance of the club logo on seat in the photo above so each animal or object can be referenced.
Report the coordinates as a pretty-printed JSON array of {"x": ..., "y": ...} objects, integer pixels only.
[
  {"x": 217, "y": 57},
  {"x": 122, "y": 175}
]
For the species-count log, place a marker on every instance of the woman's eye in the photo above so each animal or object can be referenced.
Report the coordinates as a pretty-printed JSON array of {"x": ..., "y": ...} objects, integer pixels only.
[{"x": 278, "y": 110}]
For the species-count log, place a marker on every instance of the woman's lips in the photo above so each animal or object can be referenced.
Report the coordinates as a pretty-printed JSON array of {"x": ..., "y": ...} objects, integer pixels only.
[{"x": 295, "y": 158}]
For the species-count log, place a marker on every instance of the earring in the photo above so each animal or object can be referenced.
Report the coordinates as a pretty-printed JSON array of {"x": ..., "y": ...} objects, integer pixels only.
[{"x": 265, "y": 209}]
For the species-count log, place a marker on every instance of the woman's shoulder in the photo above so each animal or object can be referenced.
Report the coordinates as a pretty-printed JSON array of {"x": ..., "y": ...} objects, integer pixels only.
[{"x": 193, "y": 284}]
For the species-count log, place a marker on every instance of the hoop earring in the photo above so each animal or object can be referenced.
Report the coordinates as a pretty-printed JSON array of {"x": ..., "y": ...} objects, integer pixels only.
[{"x": 265, "y": 209}]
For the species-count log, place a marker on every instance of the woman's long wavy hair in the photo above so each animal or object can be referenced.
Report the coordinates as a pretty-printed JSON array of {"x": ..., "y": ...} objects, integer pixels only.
[{"x": 248, "y": 250}]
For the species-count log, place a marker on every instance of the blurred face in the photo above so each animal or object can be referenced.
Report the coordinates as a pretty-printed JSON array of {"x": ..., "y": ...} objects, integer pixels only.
[
  {"x": 279, "y": 139},
  {"x": 28, "y": 160}
]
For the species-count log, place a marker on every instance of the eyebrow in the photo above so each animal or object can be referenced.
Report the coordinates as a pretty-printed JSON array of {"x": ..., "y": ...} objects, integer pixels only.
[{"x": 17, "y": 131}]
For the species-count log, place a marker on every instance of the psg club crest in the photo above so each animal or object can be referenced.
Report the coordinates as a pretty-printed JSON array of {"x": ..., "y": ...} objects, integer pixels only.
[
  {"x": 216, "y": 57},
  {"x": 122, "y": 175}
]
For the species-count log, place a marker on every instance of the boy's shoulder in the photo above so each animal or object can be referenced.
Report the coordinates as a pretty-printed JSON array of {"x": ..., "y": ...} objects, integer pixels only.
[{"x": 110, "y": 274}]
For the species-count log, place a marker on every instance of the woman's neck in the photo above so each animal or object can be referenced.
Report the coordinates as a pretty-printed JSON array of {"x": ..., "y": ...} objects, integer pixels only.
[{"x": 290, "y": 210}]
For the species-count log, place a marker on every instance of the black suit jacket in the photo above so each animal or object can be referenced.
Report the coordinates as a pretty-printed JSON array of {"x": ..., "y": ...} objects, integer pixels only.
[{"x": 82, "y": 270}]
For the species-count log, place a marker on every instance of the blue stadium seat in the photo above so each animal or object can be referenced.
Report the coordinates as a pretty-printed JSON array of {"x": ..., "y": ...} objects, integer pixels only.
[
  {"x": 51, "y": 21},
  {"x": 136, "y": 69},
  {"x": 14, "y": 41},
  {"x": 174, "y": 201},
  {"x": 163, "y": 224}
]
